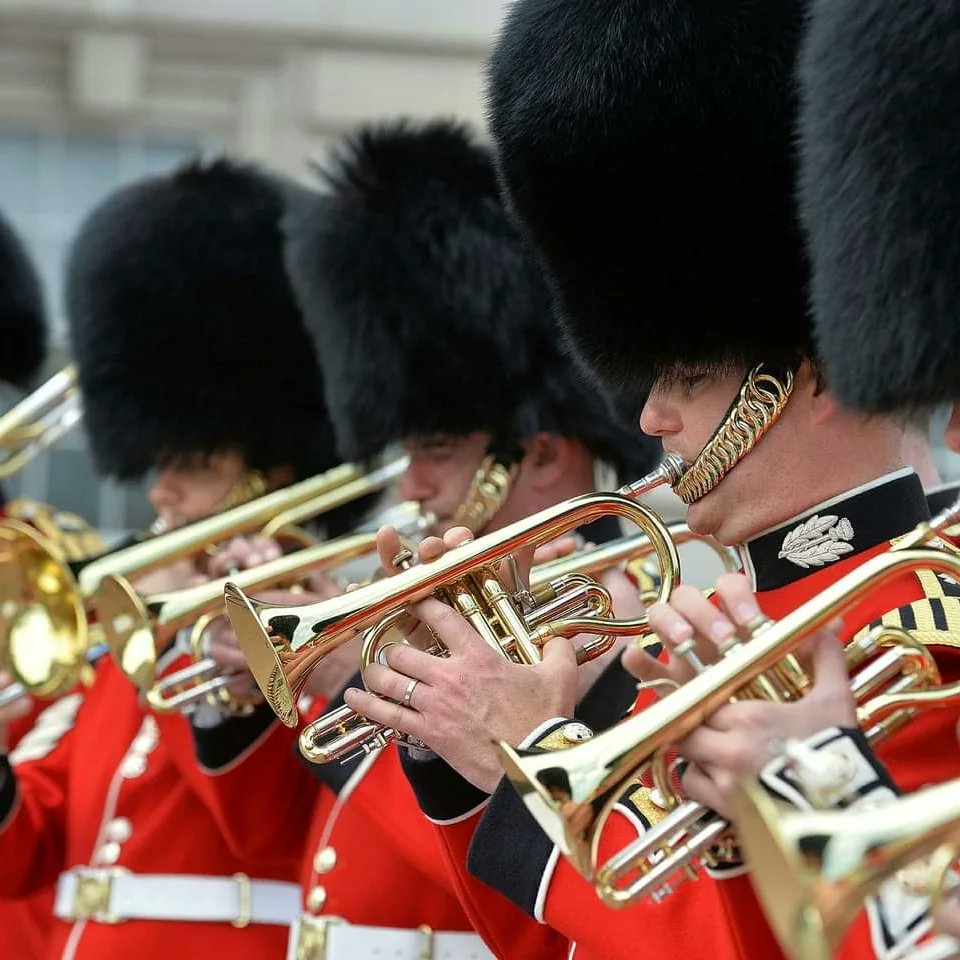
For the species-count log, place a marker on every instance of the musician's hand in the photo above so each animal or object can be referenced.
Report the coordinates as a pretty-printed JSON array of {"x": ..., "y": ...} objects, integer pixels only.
[
  {"x": 739, "y": 739},
  {"x": 242, "y": 553},
  {"x": 13, "y": 711}
]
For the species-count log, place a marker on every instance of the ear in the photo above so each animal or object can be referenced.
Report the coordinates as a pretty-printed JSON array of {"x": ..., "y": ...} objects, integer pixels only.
[
  {"x": 951, "y": 433},
  {"x": 547, "y": 460},
  {"x": 823, "y": 404}
]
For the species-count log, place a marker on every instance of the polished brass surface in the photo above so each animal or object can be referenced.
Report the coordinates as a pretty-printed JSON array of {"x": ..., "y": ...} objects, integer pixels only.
[
  {"x": 284, "y": 643},
  {"x": 635, "y": 549},
  {"x": 48, "y": 605},
  {"x": 488, "y": 490},
  {"x": 39, "y": 421},
  {"x": 812, "y": 870},
  {"x": 895, "y": 675},
  {"x": 73, "y": 536},
  {"x": 571, "y": 792},
  {"x": 137, "y": 628},
  {"x": 43, "y": 631}
]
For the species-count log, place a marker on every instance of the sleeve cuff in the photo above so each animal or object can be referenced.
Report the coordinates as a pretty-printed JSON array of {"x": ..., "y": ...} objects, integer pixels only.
[
  {"x": 219, "y": 746},
  {"x": 444, "y": 796},
  {"x": 558, "y": 733},
  {"x": 8, "y": 790},
  {"x": 833, "y": 768},
  {"x": 510, "y": 853}
]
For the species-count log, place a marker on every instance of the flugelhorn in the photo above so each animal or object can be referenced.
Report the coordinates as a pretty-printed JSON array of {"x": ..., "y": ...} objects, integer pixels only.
[
  {"x": 39, "y": 421},
  {"x": 557, "y": 587},
  {"x": 138, "y": 628},
  {"x": 572, "y": 792},
  {"x": 813, "y": 870},
  {"x": 43, "y": 598},
  {"x": 283, "y": 643}
]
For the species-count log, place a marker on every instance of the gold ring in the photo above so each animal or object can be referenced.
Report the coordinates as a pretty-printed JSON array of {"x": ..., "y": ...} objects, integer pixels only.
[{"x": 408, "y": 693}]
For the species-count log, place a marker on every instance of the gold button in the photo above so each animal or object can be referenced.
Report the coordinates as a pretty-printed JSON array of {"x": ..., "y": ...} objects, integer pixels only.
[
  {"x": 316, "y": 899},
  {"x": 325, "y": 859}
]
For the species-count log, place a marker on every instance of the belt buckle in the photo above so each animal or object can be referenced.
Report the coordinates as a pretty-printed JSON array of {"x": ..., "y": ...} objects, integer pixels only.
[
  {"x": 91, "y": 898},
  {"x": 426, "y": 948},
  {"x": 245, "y": 898},
  {"x": 312, "y": 937}
]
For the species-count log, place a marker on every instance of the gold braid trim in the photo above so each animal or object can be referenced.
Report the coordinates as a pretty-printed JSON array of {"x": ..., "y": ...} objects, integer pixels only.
[
  {"x": 762, "y": 399},
  {"x": 491, "y": 484}
]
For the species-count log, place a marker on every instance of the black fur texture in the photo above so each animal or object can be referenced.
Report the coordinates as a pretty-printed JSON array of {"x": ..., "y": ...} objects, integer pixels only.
[
  {"x": 186, "y": 334},
  {"x": 23, "y": 329},
  {"x": 429, "y": 312},
  {"x": 880, "y": 197},
  {"x": 646, "y": 148}
]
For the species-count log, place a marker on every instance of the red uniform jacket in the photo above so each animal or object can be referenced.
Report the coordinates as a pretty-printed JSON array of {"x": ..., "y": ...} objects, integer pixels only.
[
  {"x": 25, "y": 922},
  {"x": 101, "y": 781},
  {"x": 500, "y": 846},
  {"x": 369, "y": 856}
]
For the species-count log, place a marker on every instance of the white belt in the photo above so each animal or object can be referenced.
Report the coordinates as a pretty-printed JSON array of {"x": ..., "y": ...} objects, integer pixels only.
[
  {"x": 113, "y": 895},
  {"x": 330, "y": 938}
]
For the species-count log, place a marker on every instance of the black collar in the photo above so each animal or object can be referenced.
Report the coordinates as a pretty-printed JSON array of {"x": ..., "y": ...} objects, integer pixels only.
[
  {"x": 939, "y": 498},
  {"x": 834, "y": 530}
]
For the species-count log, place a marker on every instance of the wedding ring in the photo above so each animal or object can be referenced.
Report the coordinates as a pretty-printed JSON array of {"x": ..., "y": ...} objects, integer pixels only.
[{"x": 408, "y": 693}]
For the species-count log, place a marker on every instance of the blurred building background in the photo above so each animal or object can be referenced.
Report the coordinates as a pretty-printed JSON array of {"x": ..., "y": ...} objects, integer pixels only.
[{"x": 95, "y": 93}]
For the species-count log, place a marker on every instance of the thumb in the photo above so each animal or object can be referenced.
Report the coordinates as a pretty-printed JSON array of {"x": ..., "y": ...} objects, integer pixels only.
[
  {"x": 559, "y": 654},
  {"x": 829, "y": 664}
]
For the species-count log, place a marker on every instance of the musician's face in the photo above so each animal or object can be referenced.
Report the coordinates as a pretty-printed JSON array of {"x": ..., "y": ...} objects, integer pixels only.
[
  {"x": 763, "y": 487},
  {"x": 441, "y": 471},
  {"x": 193, "y": 488},
  {"x": 951, "y": 435}
]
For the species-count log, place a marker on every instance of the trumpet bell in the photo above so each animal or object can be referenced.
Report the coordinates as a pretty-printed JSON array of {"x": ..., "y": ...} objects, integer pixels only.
[
  {"x": 261, "y": 651},
  {"x": 127, "y": 627},
  {"x": 812, "y": 870},
  {"x": 43, "y": 626}
]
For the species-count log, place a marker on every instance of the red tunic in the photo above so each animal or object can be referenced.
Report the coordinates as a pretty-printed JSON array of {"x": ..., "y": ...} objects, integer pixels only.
[
  {"x": 712, "y": 917},
  {"x": 101, "y": 781}
]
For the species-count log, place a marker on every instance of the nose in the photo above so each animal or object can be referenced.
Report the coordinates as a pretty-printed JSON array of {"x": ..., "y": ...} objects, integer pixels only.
[
  {"x": 164, "y": 492},
  {"x": 415, "y": 483},
  {"x": 659, "y": 418}
]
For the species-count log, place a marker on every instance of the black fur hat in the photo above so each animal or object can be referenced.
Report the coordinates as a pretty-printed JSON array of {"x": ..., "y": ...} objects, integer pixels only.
[
  {"x": 645, "y": 145},
  {"x": 880, "y": 197},
  {"x": 186, "y": 334},
  {"x": 429, "y": 312},
  {"x": 23, "y": 330}
]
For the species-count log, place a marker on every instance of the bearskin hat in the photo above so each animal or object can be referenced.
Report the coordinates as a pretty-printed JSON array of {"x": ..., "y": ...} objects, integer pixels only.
[
  {"x": 429, "y": 312},
  {"x": 646, "y": 148},
  {"x": 186, "y": 334},
  {"x": 23, "y": 330},
  {"x": 880, "y": 197}
]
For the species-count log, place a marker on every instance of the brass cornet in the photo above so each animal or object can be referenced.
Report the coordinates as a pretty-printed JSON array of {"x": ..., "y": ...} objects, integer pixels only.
[
  {"x": 557, "y": 588},
  {"x": 46, "y": 606},
  {"x": 813, "y": 870},
  {"x": 39, "y": 421},
  {"x": 562, "y": 789},
  {"x": 138, "y": 628},
  {"x": 283, "y": 643}
]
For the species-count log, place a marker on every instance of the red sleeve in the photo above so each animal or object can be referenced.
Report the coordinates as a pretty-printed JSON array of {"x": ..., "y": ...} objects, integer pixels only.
[
  {"x": 690, "y": 922},
  {"x": 33, "y": 802},
  {"x": 506, "y": 929}
]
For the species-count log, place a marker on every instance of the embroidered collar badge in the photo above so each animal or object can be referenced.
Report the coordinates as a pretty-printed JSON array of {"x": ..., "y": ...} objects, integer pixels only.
[{"x": 817, "y": 541}]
